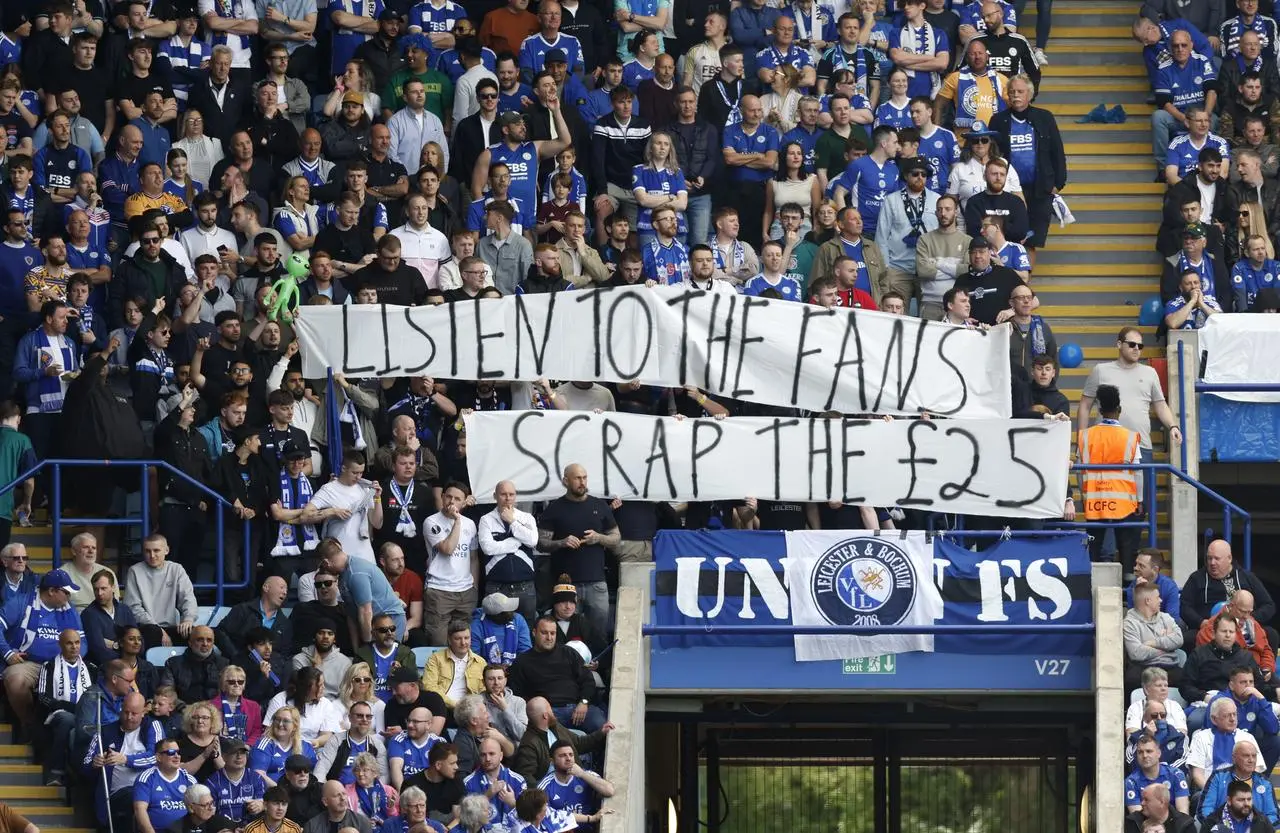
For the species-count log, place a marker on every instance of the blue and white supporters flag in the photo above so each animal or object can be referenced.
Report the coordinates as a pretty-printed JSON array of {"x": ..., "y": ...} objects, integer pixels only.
[{"x": 847, "y": 578}]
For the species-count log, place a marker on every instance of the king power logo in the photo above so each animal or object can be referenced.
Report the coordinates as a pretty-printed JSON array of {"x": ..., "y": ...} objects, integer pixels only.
[{"x": 1043, "y": 595}]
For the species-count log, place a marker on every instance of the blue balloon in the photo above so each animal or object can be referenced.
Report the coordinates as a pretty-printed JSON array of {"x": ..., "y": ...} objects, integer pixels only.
[
  {"x": 1151, "y": 313},
  {"x": 1070, "y": 355}
]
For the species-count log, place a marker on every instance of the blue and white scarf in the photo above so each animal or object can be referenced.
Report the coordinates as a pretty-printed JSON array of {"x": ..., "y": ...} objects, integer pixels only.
[
  {"x": 287, "y": 539},
  {"x": 1039, "y": 345},
  {"x": 739, "y": 255},
  {"x": 157, "y": 362},
  {"x": 404, "y": 522},
  {"x": 348, "y": 416},
  {"x": 51, "y": 388}
]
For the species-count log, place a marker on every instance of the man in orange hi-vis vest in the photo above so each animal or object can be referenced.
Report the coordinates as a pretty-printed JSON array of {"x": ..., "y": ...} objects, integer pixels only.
[{"x": 1111, "y": 495}]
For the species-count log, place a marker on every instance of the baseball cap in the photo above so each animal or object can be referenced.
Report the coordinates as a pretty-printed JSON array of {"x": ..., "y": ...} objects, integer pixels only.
[
  {"x": 1193, "y": 230},
  {"x": 979, "y": 243},
  {"x": 509, "y": 117},
  {"x": 57, "y": 580},
  {"x": 564, "y": 591},
  {"x": 294, "y": 454},
  {"x": 353, "y": 97},
  {"x": 914, "y": 163},
  {"x": 555, "y": 56},
  {"x": 388, "y": 14},
  {"x": 230, "y": 745},
  {"x": 404, "y": 675},
  {"x": 496, "y": 603},
  {"x": 298, "y": 763}
]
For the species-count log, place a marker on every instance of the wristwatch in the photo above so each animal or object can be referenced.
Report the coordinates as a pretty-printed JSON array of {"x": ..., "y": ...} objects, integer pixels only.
[{"x": 583, "y": 703}]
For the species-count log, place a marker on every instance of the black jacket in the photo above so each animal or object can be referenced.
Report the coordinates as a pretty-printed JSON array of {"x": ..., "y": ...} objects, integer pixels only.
[
  {"x": 698, "y": 146},
  {"x": 343, "y": 143},
  {"x": 1231, "y": 73},
  {"x": 304, "y": 804},
  {"x": 1050, "y": 398},
  {"x": 1170, "y": 279},
  {"x": 1051, "y": 157},
  {"x": 97, "y": 425},
  {"x": 309, "y": 617},
  {"x": 221, "y": 122},
  {"x": 195, "y": 679},
  {"x": 1200, "y": 593},
  {"x": 275, "y": 140},
  {"x": 592, "y": 32},
  {"x": 1176, "y": 823},
  {"x": 44, "y": 218},
  {"x": 613, "y": 153},
  {"x": 185, "y": 450},
  {"x": 470, "y": 138},
  {"x": 1169, "y": 237},
  {"x": 244, "y": 617},
  {"x": 1209, "y": 668},
  {"x": 384, "y": 59},
  {"x": 558, "y": 675},
  {"x": 1215, "y": 824},
  {"x": 132, "y": 281}
]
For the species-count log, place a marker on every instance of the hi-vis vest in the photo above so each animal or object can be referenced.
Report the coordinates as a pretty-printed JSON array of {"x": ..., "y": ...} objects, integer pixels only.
[{"x": 1109, "y": 495}]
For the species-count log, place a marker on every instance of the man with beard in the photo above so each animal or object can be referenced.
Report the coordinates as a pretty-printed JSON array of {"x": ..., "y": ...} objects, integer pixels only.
[
  {"x": 533, "y": 754},
  {"x": 521, "y": 155},
  {"x": 989, "y": 285}
]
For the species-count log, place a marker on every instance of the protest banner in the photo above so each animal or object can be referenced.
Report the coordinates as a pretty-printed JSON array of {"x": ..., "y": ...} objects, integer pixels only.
[
  {"x": 754, "y": 349},
  {"x": 1008, "y": 468}
]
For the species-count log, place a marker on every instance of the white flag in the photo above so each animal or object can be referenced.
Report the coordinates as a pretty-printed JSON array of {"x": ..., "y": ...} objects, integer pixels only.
[{"x": 859, "y": 578}]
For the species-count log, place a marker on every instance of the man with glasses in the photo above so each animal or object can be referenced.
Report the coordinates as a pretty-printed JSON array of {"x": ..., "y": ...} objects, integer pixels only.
[
  {"x": 407, "y": 752},
  {"x": 338, "y": 755},
  {"x": 1140, "y": 393},
  {"x": 204, "y": 814},
  {"x": 236, "y": 789},
  {"x": 906, "y": 216},
  {"x": 124, "y": 748},
  {"x": 385, "y": 655},
  {"x": 1187, "y": 81},
  {"x": 406, "y": 695},
  {"x": 29, "y": 629},
  {"x": 151, "y": 274},
  {"x": 395, "y": 282},
  {"x": 474, "y": 133},
  {"x": 159, "y": 793},
  {"x": 19, "y": 579}
]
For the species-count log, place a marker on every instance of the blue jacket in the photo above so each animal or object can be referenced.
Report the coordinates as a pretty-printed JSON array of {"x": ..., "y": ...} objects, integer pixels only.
[
  {"x": 1215, "y": 795},
  {"x": 27, "y": 625},
  {"x": 1173, "y": 744},
  {"x": 26, "y": 361},
  {"x": 499, "y": 644},
  {"x": 98, "y": 626},
  {"x": 117, "y": 179},
  {"x": 1170, "y": 595},
  {"x": 150, "y": 733},
  {"x": 26, "y": 588},
  {"x": 212, "y": 433},
  {"x": 1255, "y": 714}
]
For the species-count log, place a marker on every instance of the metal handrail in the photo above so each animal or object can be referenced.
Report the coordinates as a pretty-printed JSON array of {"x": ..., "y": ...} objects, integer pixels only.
[{"x": 144, "y": 520}]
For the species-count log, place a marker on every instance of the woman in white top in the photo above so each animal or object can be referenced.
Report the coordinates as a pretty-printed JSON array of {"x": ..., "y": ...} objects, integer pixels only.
[
  {"x": 297, "y": 219},
  {"x": 321, "y": 717},
  {"x": 968, "y": 176},
  {"x": 358, "y": 78},
  {"x": 782, "y": 104},
  {"x": 793, "y": 183},
  {"x": 202, "y": 152}
]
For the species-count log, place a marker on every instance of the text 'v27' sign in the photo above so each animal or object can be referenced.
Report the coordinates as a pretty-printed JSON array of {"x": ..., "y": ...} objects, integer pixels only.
[
  {"x": 1009, "y": 468},
  {"x": 754, "y": 349}
]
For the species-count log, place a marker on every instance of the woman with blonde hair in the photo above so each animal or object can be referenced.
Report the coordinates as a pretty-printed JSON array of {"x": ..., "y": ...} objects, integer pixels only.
[
  {"x": 782, "y": 104},
  {"x": 297, "y": 219},
  {"x": 283, "y": 738},
  {"x": 241, "y": 717},
  {"x": 1251, "y": 221},
  {"x": 825, "y": 218},
  {"x": 357, "y": 687},
  {"x": 450, "y": 191},
  {"x": 203, "y": 152},
  {"x": 201, "y": 753}
]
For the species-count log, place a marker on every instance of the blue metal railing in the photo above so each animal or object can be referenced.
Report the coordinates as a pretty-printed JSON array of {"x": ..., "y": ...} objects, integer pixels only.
[
  {"x": 144, "y": 520},
  {"x": 1229, "y": 509}
]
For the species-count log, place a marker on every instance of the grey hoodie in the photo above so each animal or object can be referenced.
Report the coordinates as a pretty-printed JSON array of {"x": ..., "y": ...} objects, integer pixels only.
[
  {"x": 1160, "y": 630},
  {"x": 160, "y": 596}
]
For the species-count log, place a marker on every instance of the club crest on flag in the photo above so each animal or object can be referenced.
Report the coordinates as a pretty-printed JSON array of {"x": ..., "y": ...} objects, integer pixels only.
[{"x": 864, "y": 581}]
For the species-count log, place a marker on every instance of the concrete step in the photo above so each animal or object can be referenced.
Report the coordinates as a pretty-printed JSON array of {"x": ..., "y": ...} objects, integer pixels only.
[
  {"x": 1130, "y": 148},
  {"x": 1113, "y": 188},
  {"x": 1056, "y": 70},
  {"x": 1083, "y": 30},
  {"x": 1065, "y": 250},
  {"x": 1092, "y": 276},
  {"x": 1071, "y": 112},
  {"x": 1134, "y": 229},
  {"x": 1092, "y": 311}
]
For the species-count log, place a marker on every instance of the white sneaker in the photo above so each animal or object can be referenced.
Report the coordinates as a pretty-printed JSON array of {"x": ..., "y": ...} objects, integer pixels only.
[{"x": 1041, "y": 58}]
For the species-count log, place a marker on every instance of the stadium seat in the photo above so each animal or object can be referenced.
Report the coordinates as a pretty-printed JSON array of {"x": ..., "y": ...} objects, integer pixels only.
[
  {"x": 158, "y": 656},
  {"x": 420, "y": 656}
]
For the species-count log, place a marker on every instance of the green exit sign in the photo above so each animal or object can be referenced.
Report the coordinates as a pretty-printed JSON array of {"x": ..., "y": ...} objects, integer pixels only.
[{"x": 882, "y": 664}]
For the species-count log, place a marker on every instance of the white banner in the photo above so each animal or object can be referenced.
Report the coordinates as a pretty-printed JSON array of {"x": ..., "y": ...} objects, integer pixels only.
[
  {"x": 847, "y": 578},
  {"x": 1242, "y": 348},
  {"x": 761, "y": 350},
  {"x": 1009, "y": 468}
]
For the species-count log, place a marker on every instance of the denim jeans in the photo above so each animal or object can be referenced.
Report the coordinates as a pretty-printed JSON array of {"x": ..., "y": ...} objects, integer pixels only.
[
  {"x": 592, "y": 723},
  {"x": 1044, "y": 19},
  {"x": 699, "y": 218},
  {"x": 1163, "y": 128},
  {"x": 593, "y": 597}
]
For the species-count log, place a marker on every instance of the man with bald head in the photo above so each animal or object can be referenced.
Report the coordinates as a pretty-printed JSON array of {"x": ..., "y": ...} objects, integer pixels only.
[
  {"x": 196, "y": 673},
  {"x": 750, "y": 149},
  {"x": 1155, "y": 808},
  {"x": 407, "y": 752},
  {"x": 338, "y": 815},
  {"x": 575, "y": 530},
  {"x": 1250, "y": 634},
  {"x": 266, "y": 611},
  {"x": 508, "y": 537},
  {"x": 1008, "y": 52},
  {"x": 533, "y": 755},
  {"x": 975, "y": 91},
  {"x": 1219, "y": 579},
  {"x": 494, "y": 781},
  {"x": 119, "y": 173},
  {"x": 126, "y": 749}
]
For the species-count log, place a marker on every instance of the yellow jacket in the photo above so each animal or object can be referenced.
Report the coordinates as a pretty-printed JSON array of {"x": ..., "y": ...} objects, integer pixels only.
[{"x": 438, "y": 676}]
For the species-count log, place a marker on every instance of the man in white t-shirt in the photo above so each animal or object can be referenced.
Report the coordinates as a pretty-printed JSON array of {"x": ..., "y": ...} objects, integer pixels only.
[
  {"x": 346, "y": 505},
  {"x": 451, "y": 589}
]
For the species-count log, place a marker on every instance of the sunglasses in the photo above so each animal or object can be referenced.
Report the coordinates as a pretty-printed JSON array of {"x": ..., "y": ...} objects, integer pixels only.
[
  {"x": 487, "y": 96},
  {"x": 1136, "y": 345},
  {"x": 150, "y": 241},
  {"x": 170, "y": 752},
  {"x": 362, "y": 679},
  {"x": 981, "y": 140},
  {"x": 235, "y": 682},
  {"x": 390, "y": 629},
  {"x": 325, "y": 583},
  {"x": 1244, "y": 213}
]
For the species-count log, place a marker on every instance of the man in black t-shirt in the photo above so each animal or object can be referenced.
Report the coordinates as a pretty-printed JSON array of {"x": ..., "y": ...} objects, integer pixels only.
[
  {"x": 575, "y": 530},
  {"x": 89, "y": 81},
  {"x": 439, "y": 782},
  {"x": 988, "y": 285},
  {"x": 395, "y": 282},
  {"x": 407, "y": 695}
]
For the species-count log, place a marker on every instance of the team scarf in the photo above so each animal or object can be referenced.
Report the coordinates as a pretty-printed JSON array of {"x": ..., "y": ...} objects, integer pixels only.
[
  {"x": 69, "y": 681},
  {"x": 234, "y": 720},
  {"x": 373, "y": 802},
  {"x": 404, "y": 523},
  {"x": 1039, "y": 344},
  {"x": 348, "y": 416},
  {"x": 50, "y": 387},
  {"x": 738, "y": 255},
  {"x": 287, "y": 539}
]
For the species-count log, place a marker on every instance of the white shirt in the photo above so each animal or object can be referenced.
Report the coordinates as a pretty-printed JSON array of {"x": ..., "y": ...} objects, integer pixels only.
[
  {"x": 465, "y": 102},
  {"x": 353, "y": 533},
  {"x": 323, "y": 716},
  {"x": 124, "y": 776},
  {"x": 458, "y": 688},
  {"x": 451, "y": 572},
  {"x": 424, "y": 249},
  {"x": 1200, "y": 750},
  {"x": 524, "y": 533}
]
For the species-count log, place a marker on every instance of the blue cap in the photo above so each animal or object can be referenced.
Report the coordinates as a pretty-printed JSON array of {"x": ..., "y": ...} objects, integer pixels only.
[{"x": 58, "y": 580}]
